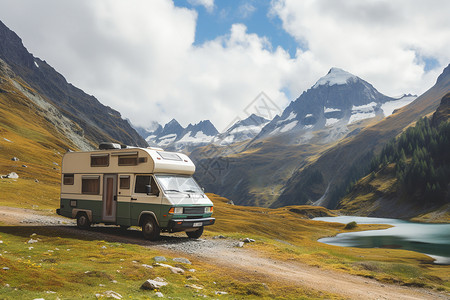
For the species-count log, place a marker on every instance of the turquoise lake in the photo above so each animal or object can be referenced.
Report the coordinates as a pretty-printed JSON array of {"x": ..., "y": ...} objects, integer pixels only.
[{"x": 430, "y": 239}]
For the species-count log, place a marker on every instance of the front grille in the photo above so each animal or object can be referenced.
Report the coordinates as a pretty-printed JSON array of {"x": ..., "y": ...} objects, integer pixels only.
[{"x": 194, "y": 210}]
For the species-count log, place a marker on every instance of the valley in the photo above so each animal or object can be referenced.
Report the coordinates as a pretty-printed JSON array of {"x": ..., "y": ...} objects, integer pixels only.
[{"x": 287, "y": 263}]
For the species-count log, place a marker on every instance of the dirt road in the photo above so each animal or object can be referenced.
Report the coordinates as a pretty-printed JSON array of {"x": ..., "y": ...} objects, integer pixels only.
[{"x": 225, "y": 254}]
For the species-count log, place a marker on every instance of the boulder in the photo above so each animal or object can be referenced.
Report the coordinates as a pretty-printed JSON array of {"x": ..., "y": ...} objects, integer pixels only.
[
  {"x": 174, "y": 270},
  {"x": 12, "y": 175},
  {"x": 14, "y": 159},
  {"x": 159, "y": 258},
  {"x": 182, "y": 260},
  {"x": 153, "y": 284},
  {"x": 109, "y": 294}
]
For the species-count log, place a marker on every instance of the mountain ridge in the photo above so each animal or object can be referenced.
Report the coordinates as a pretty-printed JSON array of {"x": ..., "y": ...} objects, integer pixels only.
[{"x": 99, "y": 122}]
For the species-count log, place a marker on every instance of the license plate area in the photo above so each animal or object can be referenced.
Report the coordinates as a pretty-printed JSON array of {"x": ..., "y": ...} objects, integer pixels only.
[{"x": 197, "y": 224}]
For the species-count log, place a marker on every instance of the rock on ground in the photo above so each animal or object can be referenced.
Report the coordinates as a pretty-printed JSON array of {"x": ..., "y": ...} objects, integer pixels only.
[{"x": 153, "y": 284}]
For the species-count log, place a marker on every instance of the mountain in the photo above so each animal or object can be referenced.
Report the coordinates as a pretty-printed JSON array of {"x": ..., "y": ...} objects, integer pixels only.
[
  {"x": 336, "y": 101},
  {"x": 242, "y": 130},
  {"x": 325, "y": 180},
  {"x": 256, "y": 171},
  {"x": 97, "y": 121},
  {"x": 153, "y": 129},
  {"x": 174, "y": 137},
  {"x": 411, "y": 175},
  {"x": 34, "y": 136},
  {"x": 164, "y": 136}
]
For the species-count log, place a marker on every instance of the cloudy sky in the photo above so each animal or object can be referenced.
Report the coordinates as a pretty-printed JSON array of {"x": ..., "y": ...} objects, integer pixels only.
[{"x": 208, "y": 59}]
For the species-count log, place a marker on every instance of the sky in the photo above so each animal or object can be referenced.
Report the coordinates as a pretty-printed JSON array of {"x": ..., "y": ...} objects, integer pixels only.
[{"x": 194, "y": 60}]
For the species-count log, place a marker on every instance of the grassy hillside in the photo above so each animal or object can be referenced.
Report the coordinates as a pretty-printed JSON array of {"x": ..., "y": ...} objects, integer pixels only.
[
  {"x": 411, "y": 175},
  {"x": 27, "y": 134}
]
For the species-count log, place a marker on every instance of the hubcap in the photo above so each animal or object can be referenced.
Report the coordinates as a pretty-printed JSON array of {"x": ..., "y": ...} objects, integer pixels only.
[{"x": 148, "y": 227}]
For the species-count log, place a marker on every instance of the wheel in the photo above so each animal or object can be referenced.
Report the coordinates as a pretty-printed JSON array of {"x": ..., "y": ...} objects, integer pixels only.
[
  {"x": 150, "y": 229},
  {"x": 195, "y": 234},
  {"x": 83, "y": 221}
]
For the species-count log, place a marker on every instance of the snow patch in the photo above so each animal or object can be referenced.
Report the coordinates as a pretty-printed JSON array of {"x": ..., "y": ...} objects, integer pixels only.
[
  {"x": 289, "y": 126},
  {"x": 36, "y": 64},
  {"x": 167, "y": 139},
  {"x": 199, "y": 137},
  {"x": 255, "y": 129},
  {"x": 331, "y": 121},
  {"x": 330, "y": 109},
  {"x": 362, "y": 112},
  {"x": 335, "y": 76},
  {"x": 308, "y": 126},
  {"x": 308, "y": 115},
  {"x": 389, "y": 107},
  {"x": 291, "y": 116}
]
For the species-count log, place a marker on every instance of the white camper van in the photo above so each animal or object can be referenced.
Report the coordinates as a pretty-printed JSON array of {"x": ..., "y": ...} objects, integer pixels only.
[{"x": 145, "y": 187}]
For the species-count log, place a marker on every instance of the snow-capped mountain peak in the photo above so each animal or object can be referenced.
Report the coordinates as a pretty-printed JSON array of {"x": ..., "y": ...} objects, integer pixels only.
[
  {"x": 337, "y": 100},
  {"x": 174, "y": 137},
  {"x": 242, "y": 130},
  {"x": 335, "y": 76}
]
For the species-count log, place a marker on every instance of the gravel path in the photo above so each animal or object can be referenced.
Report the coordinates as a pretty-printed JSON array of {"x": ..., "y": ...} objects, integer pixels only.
[{"x": 225, "y": 254}]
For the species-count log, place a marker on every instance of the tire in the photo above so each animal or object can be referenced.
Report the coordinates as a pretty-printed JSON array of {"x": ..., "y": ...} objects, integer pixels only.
[
  {"x": 150, "y": 229},
  {"x": 83, "y": 221},
  {"x": 195, "y": 234}
]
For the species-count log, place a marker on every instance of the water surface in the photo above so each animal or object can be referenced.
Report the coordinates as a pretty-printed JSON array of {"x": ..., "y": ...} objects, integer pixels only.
[{"x": 430, "y": 239}]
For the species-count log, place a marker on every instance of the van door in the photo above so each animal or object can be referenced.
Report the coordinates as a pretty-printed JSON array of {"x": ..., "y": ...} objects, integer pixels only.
[
  {"x": 143, "y": 202},
  {"x": 109, "y": 198}
]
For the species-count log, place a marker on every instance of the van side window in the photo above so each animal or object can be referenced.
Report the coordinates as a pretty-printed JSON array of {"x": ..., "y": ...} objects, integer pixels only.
[
  {"x": 99, "y": 160},
  {"x": 90, "y": 185},
  {"x": 128, "y": 160},
  {"x": 141, "y": 184},
  {"x": 68, "y": 179},
  {"x": 124, "y": 182}
]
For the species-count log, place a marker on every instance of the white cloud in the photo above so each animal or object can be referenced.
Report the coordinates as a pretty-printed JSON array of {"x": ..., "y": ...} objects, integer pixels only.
[
  {"x": 139, "y": 56},
  {"x": 381, "y": 41},
  {"x": 245, "y": 10},
  {"x": 208, "y": 4}
]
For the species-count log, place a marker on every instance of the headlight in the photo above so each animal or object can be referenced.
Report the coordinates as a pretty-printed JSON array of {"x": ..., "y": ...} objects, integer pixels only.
[
  {"x": 208, "y": 209},
  {"x": 176, "y": 210}
]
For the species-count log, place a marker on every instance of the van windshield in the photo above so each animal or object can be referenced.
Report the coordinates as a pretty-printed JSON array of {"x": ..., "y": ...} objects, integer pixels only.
[{"x": 178, "y": 184}]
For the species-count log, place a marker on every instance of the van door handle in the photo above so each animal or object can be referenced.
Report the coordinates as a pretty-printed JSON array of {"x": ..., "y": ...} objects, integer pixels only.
[{"x": 132, "y": 198}]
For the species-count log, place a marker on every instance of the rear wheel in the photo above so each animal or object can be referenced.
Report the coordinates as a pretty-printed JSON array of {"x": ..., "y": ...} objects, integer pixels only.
[
  {"x": 195, "y": 234},
  {"x": 150, "y": 229},
  {"x": 83, "y": 221}
]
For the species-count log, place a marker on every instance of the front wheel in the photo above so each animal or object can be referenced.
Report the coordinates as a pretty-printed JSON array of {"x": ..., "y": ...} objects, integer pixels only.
[
  {"x": 83, "y": 221},
  {"x": 195, "y": 234},
  {"x": 150, "y": 229}
]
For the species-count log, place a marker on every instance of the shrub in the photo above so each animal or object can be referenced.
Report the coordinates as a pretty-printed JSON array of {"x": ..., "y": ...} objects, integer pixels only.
[{"x": 351, "y": 225}]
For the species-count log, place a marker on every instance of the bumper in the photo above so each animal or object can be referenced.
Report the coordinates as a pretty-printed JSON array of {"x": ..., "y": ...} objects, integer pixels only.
[{"x": 180, "y": 224}]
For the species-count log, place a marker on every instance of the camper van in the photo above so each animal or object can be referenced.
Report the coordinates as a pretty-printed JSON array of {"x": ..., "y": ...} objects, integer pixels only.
[{"x": 146, "y": 187}]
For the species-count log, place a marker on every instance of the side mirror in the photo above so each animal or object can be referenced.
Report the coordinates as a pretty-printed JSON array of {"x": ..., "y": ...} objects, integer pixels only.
[{"x": 148, "y": 189}]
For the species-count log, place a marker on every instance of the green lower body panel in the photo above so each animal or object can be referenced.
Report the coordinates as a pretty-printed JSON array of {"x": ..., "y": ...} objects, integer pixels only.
[{"x": 128, "y": 213}]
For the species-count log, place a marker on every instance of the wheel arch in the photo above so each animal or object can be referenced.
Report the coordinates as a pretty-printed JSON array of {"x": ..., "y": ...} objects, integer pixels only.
[
  {"x": 76, "y": 211},
  {"x": 145, "y": 214}
]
